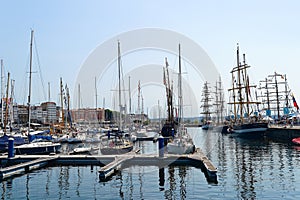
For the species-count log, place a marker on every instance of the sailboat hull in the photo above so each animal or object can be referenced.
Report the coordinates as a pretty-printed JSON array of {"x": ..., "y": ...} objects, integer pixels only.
[
  {"x": 184, "y": 145},
  {"x": 116, "y": 150},
  {"x": 253, "y": 130},
  {"x": 180, "y": 149},
  {"x": 38, "y": 148}
]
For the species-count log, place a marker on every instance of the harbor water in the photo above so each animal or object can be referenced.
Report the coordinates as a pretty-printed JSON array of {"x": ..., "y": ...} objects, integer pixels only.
[{"x": 247, "y": 169}]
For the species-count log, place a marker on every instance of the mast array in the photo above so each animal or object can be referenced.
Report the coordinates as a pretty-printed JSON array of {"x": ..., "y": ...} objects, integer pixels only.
[
  {"x": 275, "y": 95},
  {"x": 241, "y": 95}
]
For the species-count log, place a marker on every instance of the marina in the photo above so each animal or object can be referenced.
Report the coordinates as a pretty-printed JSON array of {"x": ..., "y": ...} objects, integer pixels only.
[
  {"x": 245, "y": 169},
  {"x": 109, "y": 164},
  {"x": 110, "y": 100}
]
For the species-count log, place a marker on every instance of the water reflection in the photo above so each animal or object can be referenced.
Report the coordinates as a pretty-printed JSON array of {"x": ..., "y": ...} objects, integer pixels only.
[
  {"x": 257, "y": 161},
  {"x": 27, "y": 186},
  {"x": 161, "y": 180},
  {"x": 48, "y": 177},
  {"x": 78, "y": 182},
  {"x": 172, "y": 183},
  {"x": 247, "y": 169},
  {"x": 7, "y": 189},
  {"x": 63, "y": 181}
]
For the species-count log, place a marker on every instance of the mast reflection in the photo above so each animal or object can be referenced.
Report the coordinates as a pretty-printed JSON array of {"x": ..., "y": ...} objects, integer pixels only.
[{"x": 161, "y": 179}]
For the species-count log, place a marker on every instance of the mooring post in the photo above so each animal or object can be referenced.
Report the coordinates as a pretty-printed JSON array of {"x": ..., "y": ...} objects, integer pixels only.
[
  {"x": 161, "y": 146},
  {"x": 10, "y": 147}
]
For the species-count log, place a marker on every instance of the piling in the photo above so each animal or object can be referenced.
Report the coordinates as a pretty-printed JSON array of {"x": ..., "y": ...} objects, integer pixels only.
[
  {"x": 10, "y": 147},
  {"x": 161, "y": 146}
]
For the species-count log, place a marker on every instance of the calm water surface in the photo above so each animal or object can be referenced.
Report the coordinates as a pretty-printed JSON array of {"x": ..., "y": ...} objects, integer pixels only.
[{"x": 247, "y": 169}]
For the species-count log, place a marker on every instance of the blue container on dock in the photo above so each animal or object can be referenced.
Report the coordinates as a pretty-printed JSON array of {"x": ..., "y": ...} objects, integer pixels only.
[
  {"x": 161, "y": 146},
  {"x": 10, "y": 147}
]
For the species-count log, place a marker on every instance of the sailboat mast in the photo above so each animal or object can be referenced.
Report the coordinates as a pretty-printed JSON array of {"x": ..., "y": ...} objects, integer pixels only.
[
  {"x": 142, "y": 111},
  {"x": 247, "y": 88},
  {"x": 68, "y": 106},
  {"x": 11, "y": 107},
  {"x": 49, "y": 97},
  {"x": 139, "y": 97},
  {"x": 6, "y": 103},
  {"x": 30, "y": 74},
  {"x": 240, "y": 100},
  {"x": 277, "y": 96},
  {"x": 221, "y": 97},
  {"x": 78, "y": 97},
  {"x": 62, "y": 101},
  {"x": 96, "y": 92},
  {"x": 119, "y": 75},
  {"x": 180, "y": 111},
  {"x": 217, "y": 103},
  {"x": 78, "y": 113},
  {"x": 233, "y": 96},
  {"x": 286, "y": 92},
  {"x": 129, "y": 91},
  {"x": 2, "y": 85},
  {"x": 158, "y": 114},
  {"x": 268, "y": 97}
]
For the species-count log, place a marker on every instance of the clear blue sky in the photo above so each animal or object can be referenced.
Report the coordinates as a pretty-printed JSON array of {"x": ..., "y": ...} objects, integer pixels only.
[{"x": 67, "y": 31}]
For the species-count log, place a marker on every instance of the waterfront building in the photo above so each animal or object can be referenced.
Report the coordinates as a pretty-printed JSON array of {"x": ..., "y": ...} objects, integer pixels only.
[{"x": 88, "y": 115}]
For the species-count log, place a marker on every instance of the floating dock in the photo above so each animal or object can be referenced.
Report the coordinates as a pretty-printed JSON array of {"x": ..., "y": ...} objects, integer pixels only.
[
  {"x": 24, "y": 167},
  {"x": 109, "y": 163}
]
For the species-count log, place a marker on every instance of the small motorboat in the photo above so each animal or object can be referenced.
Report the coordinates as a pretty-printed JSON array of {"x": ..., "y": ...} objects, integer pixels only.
[{"x": 296, "y": 141}]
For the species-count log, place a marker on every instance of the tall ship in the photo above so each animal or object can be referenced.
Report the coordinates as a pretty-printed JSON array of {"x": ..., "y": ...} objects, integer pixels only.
[
  {"x": 278, "y": 101},
  {"x": 207, "y": 107},
  {"x": 244, "y": 119},
  {"x": 219, "y": 103}
]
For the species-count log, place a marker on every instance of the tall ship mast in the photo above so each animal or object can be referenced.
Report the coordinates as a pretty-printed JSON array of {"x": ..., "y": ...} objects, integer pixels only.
[
  {"x": 276, "y": 96},
  {"x": 242, "y": 99},
  {"x": 206, "y": 103},
  {"x": 244, "y": 113},
  {"x": 219, "y": 102},
  {"x": 169, "y": 126}
]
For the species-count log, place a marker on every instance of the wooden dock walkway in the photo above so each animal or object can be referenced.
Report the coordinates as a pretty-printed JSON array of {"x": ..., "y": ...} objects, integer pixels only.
[
  {"x": 198, "y": 159},
  {"x": 109, "y": 169},
  {"x": 24, "y": 167},
  {"x": 109, "y": 163}
]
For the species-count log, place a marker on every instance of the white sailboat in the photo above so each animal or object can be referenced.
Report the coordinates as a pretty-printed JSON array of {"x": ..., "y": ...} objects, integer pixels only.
[
  {"x": 117, "y": 145},
  {"x": 36, "y": 146},
  {"x": 182, "y": 142}
]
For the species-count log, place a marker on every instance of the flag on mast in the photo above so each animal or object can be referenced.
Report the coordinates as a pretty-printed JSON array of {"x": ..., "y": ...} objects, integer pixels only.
[{"x": 295, "y": 102}]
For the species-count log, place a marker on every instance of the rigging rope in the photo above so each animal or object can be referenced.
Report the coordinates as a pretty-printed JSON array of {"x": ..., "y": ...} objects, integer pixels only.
[{"x": 39, "y": 66}]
